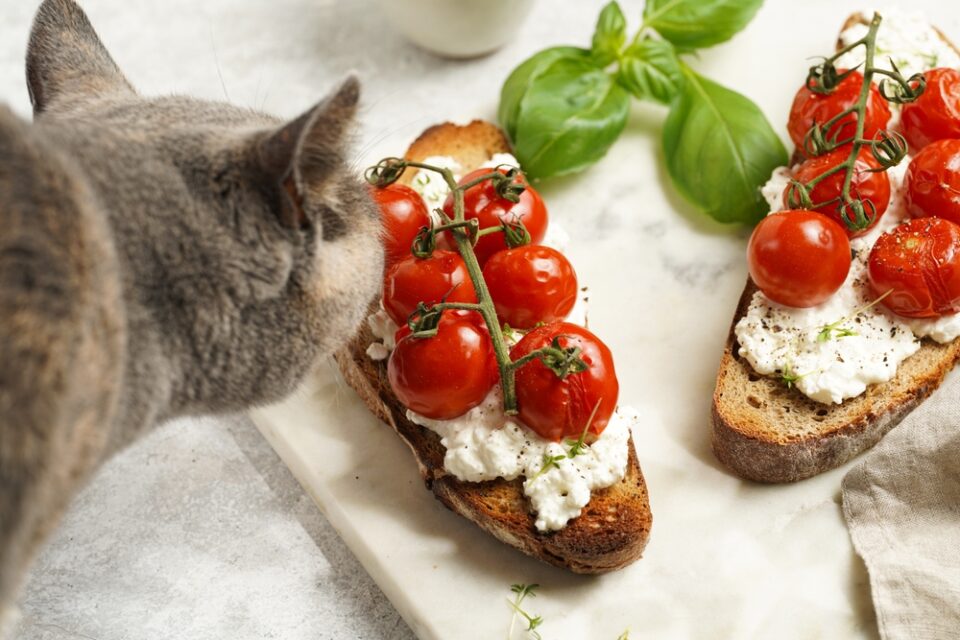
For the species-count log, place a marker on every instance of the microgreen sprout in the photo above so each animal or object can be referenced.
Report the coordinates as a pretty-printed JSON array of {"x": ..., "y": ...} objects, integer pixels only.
[
  {"x": 789, "y": 377},
  {"x": 549, "y": 462},
  {"x": 834, "y": 330},
  {"x": 522, "y": 591},
  {"x": 576, "y": 446}
]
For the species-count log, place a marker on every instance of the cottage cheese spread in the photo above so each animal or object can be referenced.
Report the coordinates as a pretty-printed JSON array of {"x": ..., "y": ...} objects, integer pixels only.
[
  {"x": 907, "y": 38},
  {"x": 485, "y": 445},
  {"x": 783, "y": 341},
  {"x": 433, "y": 188}
]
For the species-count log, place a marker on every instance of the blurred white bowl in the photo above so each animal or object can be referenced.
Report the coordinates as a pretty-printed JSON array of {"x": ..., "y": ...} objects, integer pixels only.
[{"x": 458, "y": 28}]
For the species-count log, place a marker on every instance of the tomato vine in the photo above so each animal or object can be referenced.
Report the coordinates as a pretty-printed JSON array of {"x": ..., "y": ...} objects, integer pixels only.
[
  {"x": 887, "y": 147},
  {"x": 425, "y": 319}
]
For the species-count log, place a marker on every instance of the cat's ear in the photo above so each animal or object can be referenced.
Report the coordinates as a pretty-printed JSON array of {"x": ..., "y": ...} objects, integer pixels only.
[
  {"x": 66, "y": 61},
  {"x": 303, "y": 152}
]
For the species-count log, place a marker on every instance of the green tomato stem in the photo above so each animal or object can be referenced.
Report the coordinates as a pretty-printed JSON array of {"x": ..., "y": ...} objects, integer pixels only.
[
  {"x": 870, "y": 44},
  {"x": 856, "y": 213},
  {"x": 484, "y": 301}
]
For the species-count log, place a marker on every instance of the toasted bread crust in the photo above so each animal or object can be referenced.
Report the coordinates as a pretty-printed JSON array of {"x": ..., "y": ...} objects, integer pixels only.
[
  {"x": 614, "y": 527},
  {"x": 750, "y": 412},
  {"x": 471, "y": 144}
]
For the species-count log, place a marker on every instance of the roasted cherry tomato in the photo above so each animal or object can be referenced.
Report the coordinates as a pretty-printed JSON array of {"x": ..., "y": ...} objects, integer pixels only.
[
  {"x": 809, "y": 107},
  {"x": 919, "y": 263},
  {"x": 445, "y": 375},
  {"x": 428, "y": 280},
  {"x": 932, "y": 182},
  {"x": 530, "y": 284},
  {"x": 404, "y": 213},
  {"x": 935, "y": 115},
  {"x": 865, "y": 184},
  {"x": 558, "y": 408},
  {"x": 798, "y": 258},
  {"x": 483, "y": 203}
]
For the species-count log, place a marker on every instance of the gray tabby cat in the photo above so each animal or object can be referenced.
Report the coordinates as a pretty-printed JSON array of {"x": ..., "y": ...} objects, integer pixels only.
[{"x": 159, "y": 257}]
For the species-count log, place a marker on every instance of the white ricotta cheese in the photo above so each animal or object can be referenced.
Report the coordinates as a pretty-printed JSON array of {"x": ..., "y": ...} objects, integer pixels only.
[
  {"x": 384, "y": 329},
  {"x": 430, "y": 185},
  {"x": 904, "y": 36},
  {"x": 433, "y": 188},
  {"x": 484, "y": 444},
  {"x": 772, "y": 191}
]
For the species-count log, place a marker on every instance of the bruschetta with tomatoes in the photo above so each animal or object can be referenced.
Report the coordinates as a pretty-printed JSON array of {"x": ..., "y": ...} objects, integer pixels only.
[{"x": 478, "y": 355}]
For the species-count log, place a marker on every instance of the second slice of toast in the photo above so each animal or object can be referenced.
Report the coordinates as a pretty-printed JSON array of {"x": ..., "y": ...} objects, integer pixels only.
[{"x": 766, "y": 432}]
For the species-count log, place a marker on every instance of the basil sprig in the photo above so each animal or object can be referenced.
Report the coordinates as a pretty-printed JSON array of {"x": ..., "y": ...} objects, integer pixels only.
[{"x": 565, "y": 106}]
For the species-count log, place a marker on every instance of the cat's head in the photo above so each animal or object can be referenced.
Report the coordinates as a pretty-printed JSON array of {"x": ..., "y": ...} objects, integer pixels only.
[{"x": 267, "y": 241}]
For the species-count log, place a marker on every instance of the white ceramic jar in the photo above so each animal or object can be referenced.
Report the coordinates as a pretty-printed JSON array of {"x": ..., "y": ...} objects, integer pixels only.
[{"x": 458, "y": 28}]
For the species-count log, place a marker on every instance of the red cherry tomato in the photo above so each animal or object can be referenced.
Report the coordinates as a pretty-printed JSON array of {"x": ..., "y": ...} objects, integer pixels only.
[
  {"x": 427, "y": 280},
  {"x": 933, "y": 181},
  {"x": 935, "y": 115},
  {"x": 558, "y": 408},
  {"x": 809, "y": 107},
  {"x": 865, "y": 184},
  {"x": 798, "y": 258},
  {"x": 530, "y": 284},
  {"x": 920, "y": 262},
  {"x": 483, "y": 203},
  {"x": 403, "y": 213},
  {"x": 446, "y": 375}
]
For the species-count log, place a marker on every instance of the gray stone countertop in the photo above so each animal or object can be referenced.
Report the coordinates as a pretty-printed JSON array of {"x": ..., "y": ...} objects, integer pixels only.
[{"x": 200, "y": 531}]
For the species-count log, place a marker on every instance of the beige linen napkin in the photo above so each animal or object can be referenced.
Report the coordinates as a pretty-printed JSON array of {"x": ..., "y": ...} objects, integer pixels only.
[{"x": 902, "y": 505}]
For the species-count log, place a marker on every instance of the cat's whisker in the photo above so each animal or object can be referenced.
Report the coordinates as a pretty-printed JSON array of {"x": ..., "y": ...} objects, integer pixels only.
[
  {"x": 216, "y": 60},
  {"x": 356, "y": 164}
]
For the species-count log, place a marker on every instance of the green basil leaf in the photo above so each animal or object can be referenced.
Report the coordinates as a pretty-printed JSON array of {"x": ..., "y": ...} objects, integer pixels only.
[
  {"x": 651, "y": 69},
  {"x": 699, "y": 23},
  {"x": 568, "y": 118},
  {"x": 519, "y": 82},
  {"x": 719, "y": 149},
  {"x": 610, "y": 34}
]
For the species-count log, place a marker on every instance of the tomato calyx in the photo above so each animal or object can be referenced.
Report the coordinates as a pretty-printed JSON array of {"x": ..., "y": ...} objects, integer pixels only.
[
  {"x": 563, "y": 361},
  {"x": 515, "y": 233},
  {"x": 385, "y": 172},
  {"x": 425, "y": 319},
  {"x": 902, "y": 92},
  {"x": 505, "y": 182},
  {"x": 824, "y": 78}
]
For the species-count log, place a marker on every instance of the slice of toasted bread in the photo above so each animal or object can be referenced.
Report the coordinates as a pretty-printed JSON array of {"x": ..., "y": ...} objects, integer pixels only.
[
  {"x": 766, "y": 432},
  {"x": 614, "y": 526}
]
